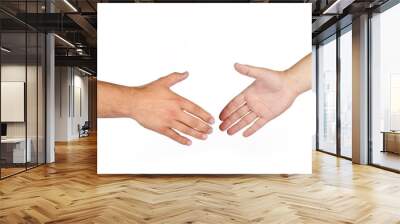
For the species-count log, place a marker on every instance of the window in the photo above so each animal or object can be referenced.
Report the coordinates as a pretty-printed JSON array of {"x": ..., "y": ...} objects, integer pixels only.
[
  {"x": 385, "y": 89},
  {"x": 327, "y": 96},
  {"x": 22, "y": 78},
  {"x": 346, "y": 93}
]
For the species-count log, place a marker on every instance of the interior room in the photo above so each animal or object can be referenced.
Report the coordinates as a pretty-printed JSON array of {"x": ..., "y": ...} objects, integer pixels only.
[
  {"x": 48, "y": 150},
  {"x": 22, "y": 101}
]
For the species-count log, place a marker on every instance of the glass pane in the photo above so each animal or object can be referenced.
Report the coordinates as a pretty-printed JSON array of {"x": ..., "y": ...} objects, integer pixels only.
[
  {"x": 31, "y": 88},
  {"x": 346, "y": 93},
  {"x": 13, "y": 86},
  {"x": 386, "y": 89},
  {"x": 327, "y": 96},
  {"x": 31, "y": 100},
  {"x": 23, "y": 90}
]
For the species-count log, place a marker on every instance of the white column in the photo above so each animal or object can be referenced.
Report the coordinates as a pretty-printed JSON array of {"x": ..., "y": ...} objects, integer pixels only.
[
  {"x": 360, "y": 90},
  {"x": 50, "y": 92},
  {"x": 50, "y": 99}
]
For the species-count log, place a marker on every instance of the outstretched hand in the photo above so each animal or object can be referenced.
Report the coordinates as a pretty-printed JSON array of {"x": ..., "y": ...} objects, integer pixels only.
[
  {"x": 156, "y": 107},
  {"x": 160, "y": 109},
  {"x": 271, "y": 93},
  {"x": 266, "y": 98}
]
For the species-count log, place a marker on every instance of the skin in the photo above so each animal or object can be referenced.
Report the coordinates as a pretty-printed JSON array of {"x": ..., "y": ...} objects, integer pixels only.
[
  {"x": 271, "y": 93},
  {"x": 156, "y": 107}
]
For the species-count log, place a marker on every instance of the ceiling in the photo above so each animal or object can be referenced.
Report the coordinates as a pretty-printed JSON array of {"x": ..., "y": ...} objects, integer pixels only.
[{"x": 76, "y": 21}]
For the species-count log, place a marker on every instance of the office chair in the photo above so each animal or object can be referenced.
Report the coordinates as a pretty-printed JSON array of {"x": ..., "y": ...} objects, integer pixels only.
[{"x": 84, "y": 130}]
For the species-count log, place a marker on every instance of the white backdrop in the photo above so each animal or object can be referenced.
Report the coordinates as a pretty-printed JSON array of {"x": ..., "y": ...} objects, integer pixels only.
[{"x": 138, "y": 43}]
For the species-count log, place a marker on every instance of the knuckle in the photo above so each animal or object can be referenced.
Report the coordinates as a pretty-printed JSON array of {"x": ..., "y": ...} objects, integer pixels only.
[
  {"x": 194, "y": 133},
  {"x": 203, "y": 127},
  {"x": 164, "y": 129},
  {"x": 197, "y": 123},
  {"x": 242, "y": 111},
  {"x": 233, "y": 117},
  {"x": 186, "y": 129},
  {"x": 168, "y": 123},
  {"x": 177, "y": 101},
  {"x": 234, "y": 104},
  {"x": 229, "y": 120},
  {"x": 249, "y": 118},
  {"x": 195, "y": 108},
  {"x": 246, "y": 119},
  {"x": 185, "y": 104},
  {"x": 190, "y": 132},
  {"x": 172, "y": 112}
]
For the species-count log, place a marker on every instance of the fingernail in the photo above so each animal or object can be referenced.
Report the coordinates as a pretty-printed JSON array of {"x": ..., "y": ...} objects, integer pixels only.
[
  {"x": 188, "y": 142},
  {"x": 211, "y": 120},
  {"x": 204, "y": 136},
  {"x": 222, "y": 127}
]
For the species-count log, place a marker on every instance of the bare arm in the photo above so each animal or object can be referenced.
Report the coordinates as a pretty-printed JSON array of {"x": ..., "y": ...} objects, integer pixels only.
[{"x": 114, "y": 100}]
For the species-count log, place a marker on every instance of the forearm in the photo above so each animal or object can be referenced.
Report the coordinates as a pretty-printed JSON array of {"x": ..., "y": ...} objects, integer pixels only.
[
  {"x": 114, "y": 100},
  {"x": 300, "y": 75}
]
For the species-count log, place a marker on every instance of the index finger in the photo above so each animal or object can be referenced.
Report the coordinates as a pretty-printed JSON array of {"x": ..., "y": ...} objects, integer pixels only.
[{"x": 232, "y": 106}]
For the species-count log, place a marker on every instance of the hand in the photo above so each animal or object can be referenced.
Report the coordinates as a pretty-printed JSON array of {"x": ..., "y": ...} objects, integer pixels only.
[
  {"x": 159, "y": 109},
  {"x": 267, "y": 97},
  {"x": 156, "y": 107}
]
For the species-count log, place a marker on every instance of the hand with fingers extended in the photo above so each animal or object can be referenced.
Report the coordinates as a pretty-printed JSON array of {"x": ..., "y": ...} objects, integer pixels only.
[
  {"x": 156, "y": 107},
  {"x": 267, "y": 97}
]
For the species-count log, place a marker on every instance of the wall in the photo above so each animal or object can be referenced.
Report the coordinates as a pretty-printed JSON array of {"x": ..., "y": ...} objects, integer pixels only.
[
  {"x": 71, "y": 102},
  {"x": 62, "y": 80}
]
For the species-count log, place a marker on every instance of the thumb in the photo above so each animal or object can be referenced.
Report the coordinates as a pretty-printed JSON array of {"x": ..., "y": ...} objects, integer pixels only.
[
  {"x": 173, "y": 78},
  {"x": 251, "y": 71}
]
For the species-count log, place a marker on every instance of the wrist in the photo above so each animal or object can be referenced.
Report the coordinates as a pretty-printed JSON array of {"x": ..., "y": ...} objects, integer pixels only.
[
  {"x": 131, "y": 101},
  {"x": 295, "y": 82},
  {"x": 300, "y": 75},
  {"x": 123, "y": 101}
]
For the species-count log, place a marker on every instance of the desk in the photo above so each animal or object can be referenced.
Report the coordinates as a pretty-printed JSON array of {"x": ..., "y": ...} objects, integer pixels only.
[
  {"x": 391, "y": 141},
  {"x": 13, "y": 150}
]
